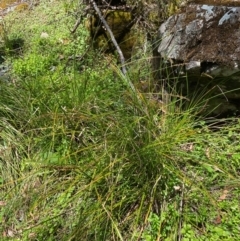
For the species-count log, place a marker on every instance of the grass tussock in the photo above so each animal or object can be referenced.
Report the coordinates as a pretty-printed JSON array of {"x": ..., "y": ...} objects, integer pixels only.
[{"x": 86, "y": 155}]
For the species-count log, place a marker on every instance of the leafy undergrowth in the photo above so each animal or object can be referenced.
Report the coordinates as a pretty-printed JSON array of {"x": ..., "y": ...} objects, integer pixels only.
[{"x": 86, "y": 156}]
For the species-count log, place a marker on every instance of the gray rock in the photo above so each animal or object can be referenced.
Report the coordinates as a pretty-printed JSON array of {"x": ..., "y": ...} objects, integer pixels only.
[
  {"x": 4, "y": 72},
  {"x": 205, "y": 41}
]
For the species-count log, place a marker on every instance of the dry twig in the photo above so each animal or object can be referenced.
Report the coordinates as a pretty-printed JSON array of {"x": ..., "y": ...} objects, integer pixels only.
[{"x": 122, "y": 59}]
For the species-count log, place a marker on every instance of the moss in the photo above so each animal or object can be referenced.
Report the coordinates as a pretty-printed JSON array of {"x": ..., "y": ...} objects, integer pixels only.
[
  {"x": 6, "y": 3},
  {"x": 120, "y": 23},
  {"x": 22, "y": 7}
]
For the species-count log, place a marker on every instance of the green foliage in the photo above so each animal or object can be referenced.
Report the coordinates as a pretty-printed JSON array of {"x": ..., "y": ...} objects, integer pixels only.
[{"x": 85, "y": 155}]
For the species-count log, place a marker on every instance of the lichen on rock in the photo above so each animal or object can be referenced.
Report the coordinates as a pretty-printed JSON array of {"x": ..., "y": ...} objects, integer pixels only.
[{"x": 203, "y": 41}]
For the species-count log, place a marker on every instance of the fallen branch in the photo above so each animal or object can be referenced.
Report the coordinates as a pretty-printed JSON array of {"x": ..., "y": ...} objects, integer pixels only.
[
  {"x": 76, "y": 25},
  {"x": 79, "y": 21},
  {"x": 122, "y": 59}
]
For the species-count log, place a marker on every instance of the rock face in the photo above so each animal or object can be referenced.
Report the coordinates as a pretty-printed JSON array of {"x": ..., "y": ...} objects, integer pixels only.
[
  {"x": 203, "y": 42},
  {"x": 7, "y": 6}
]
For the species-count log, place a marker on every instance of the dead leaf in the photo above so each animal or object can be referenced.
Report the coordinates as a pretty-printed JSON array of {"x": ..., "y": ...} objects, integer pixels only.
[
  {"x": 208, "y": 153},
  {"x": 224, "y": 195},
  {"x": 217, "y": 220},
  {"x": 32, "y": 235},
  {"x": 2, "y": 203},
  {"x": 188, "y": 147},
  {"x": 10, "y": 233},
  {"x": 64, "y": 41}
]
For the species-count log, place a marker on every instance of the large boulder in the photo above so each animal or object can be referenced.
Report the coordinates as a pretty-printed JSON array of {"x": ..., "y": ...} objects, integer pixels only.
[{"x": 203, "y": 42}]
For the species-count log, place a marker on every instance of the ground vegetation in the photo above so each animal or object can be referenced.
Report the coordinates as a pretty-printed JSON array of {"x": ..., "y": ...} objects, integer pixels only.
[{"x": 87, "y": 153}]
